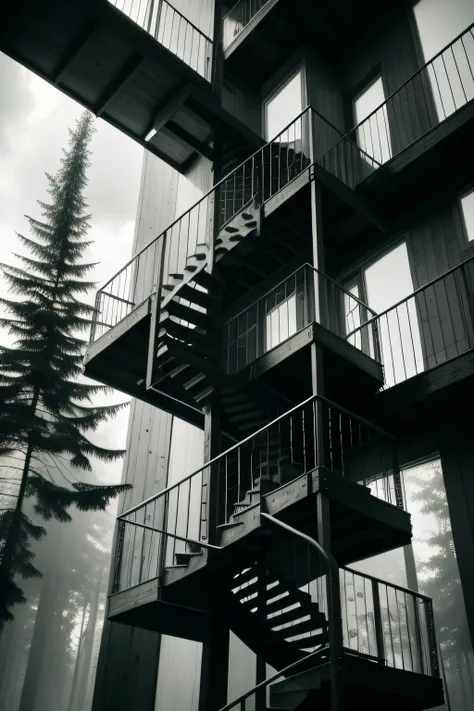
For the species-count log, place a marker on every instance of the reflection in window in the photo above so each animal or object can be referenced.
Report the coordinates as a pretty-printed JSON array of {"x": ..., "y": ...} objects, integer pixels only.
[
  {"x": 281, "y": 322},
  {"x": 467, "y": 210},
  {"x": 373, "y": 132}
]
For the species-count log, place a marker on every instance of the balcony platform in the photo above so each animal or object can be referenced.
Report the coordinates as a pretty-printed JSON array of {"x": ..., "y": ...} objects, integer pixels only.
[
  {"x": 368, "y": 685},
  {"x": 99, "y": 57},
  {"x": 424, "y": 167},
  {"x": 424, "y": 399},
  {"x": 348, "y": 371}
]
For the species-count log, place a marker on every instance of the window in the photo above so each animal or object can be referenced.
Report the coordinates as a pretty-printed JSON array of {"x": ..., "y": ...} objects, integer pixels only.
[
  {"x": 373, "y": 132},
  {"x": 467, "y": 212},
  {"x": 281, "y": 322},
  {"x": 284, "y": 106}
]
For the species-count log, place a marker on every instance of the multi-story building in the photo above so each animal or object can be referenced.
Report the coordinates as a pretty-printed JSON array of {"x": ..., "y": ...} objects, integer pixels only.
[{"x": 296, "y": 327}]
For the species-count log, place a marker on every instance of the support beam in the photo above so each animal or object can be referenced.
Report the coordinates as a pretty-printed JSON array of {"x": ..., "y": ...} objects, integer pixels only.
[
  {"x": 118, "y": 82},
  {"x": 74, "y": 49},
  {"x": 202, "y": 148},
  {"x": 166, "y": 110}
]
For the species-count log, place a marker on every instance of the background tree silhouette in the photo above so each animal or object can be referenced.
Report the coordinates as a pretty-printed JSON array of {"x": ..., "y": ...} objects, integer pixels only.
[{"x": 46, "y": 408}]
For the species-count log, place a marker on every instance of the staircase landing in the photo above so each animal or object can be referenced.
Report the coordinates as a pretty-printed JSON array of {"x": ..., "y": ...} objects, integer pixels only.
[{"x": 369, "y": 685}]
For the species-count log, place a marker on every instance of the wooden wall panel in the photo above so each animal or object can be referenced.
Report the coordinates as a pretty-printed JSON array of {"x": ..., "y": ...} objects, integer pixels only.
[
  {"x": 128, "y": 662},
  {"x": 243, "y": 103},
  {"x": 391, "y": 49}
]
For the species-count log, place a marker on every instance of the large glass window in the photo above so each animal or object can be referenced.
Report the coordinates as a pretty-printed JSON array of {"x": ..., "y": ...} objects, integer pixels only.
[
  {"x": 284, "y": 106},
  {"x": 430, "y": 566},
  {"x": 373, "y": 132}
]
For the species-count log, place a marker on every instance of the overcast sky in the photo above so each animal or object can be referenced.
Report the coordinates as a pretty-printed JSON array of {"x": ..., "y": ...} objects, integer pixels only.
[{"x": 34, "y": 122}]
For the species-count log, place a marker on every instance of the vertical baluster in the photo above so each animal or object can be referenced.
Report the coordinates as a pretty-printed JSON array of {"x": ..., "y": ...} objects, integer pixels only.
[
  {"x": 379, "y": 634},
  {"x": 401, "y": 343}
]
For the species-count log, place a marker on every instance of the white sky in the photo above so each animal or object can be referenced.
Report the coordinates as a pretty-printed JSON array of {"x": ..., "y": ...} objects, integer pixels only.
[{"x": 34, "y": 122}]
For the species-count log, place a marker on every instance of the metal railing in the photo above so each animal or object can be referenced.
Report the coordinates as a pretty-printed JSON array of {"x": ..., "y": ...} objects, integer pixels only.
[
  {"x": 286, "y": 309},
  {"x": 438, "y": 89},
  {"x": 238, "y": 18},
  {"x": 247, "y": 187},
  {"x": 427, "y": 328},
  {"x": 315, "y": 433},
  {"x": 389, "y": 623},
  {"x": 173, "y": 30}
]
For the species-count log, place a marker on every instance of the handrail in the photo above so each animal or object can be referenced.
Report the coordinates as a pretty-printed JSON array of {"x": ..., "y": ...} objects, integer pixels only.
[
  {"x": 410, "y": 296},
  {"x": 188, "y": 21},
  {"x": 399, "y": 88},
  {"x": 268, "y": 681},
  {"x": 250, "y": 437},
  {"x": 203, "y": 544},
  {"x": 415, "y": 593}
]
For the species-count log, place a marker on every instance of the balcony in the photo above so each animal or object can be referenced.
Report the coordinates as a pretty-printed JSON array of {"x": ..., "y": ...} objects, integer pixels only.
[
  {"x": 270, "y": 338},
  {"x": 212, "y": 516},
  {"x": 425, "y": 346},
  {"x": 405, "y": 148},
  {"x": 140, "y": 65}
]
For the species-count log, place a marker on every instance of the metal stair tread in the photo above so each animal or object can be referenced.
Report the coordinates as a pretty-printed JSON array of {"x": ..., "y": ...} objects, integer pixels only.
[{"x": 297, "y": 613}]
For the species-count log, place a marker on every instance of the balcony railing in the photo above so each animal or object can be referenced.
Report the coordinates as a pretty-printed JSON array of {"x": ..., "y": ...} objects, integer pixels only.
[
  {"x": 173, "y": 30},
  {"x": 251, "y": 184},
  {"x": 424, "y": 330},
  {"x": 285, "y": 310},
  {"x": 315, "y": 433},
  {"x": 438, "y": 89},
  {"x": 238, "y": 18}
]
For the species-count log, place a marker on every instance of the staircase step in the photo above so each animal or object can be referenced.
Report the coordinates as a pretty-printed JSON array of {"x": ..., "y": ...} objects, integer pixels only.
[
  {"x": 312, "y": 625},
  {"x": 248, "y": 575},
  {"x": 277, "y": 589},
  {"x": 190, "y": 384},
  {"x": 231, "y": 524},
  {"x": 207, "y": 280},
  {"x": 311, "y": 640},
  {"x": 186, "y": 334},
  {"x": 297, "y": 613},
  {"x": 185, "y": 313},
  {"x": 196, "y": 296},
  {"x": 185, "y": 558}
]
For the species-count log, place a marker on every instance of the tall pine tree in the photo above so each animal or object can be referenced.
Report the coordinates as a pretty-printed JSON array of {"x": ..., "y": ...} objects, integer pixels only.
[{"x": 45, "y": 408}]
